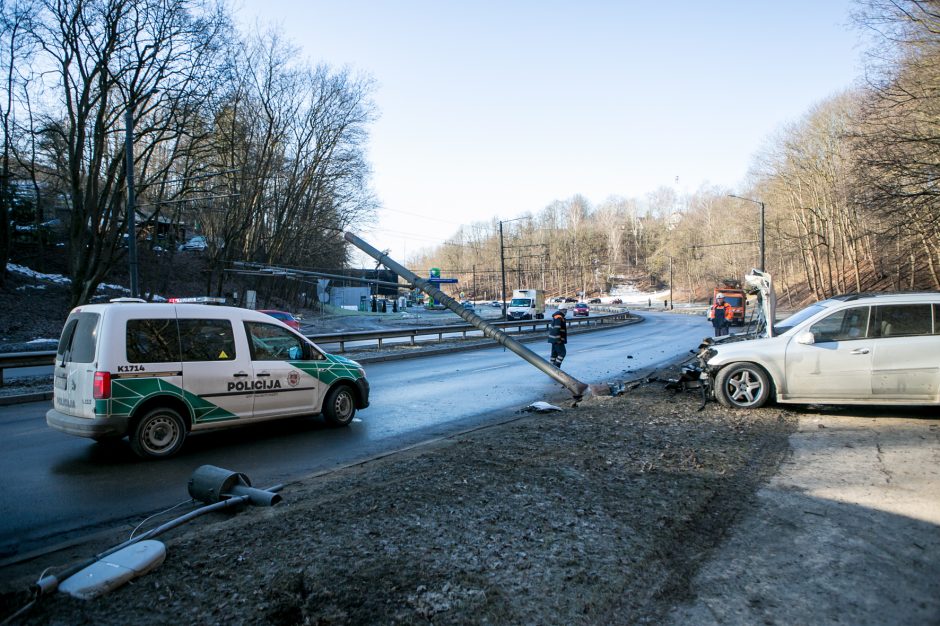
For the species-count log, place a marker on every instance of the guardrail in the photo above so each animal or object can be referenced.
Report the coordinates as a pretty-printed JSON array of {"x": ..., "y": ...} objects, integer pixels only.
[
  {"x": 341, "y": 339},
  {"x": 40, "y": 358}
]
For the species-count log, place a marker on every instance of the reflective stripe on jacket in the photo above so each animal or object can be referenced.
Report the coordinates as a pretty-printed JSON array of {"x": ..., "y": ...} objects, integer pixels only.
[
  {"x": 558, "y": 329},
  {"x": 720, "y": 311}
]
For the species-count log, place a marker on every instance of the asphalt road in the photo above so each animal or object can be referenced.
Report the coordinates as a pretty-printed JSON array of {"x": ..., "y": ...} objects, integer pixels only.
[{"x": 59, "y": 488}]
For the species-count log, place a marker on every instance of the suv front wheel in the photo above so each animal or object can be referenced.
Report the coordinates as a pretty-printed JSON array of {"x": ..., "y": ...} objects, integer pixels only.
[
  {"x": 158, "y": 434},
  {"x": 742, "y": 386}
]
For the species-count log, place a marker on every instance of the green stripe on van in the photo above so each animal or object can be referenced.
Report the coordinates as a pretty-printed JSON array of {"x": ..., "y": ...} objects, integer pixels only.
[
  {"x": 327, "y": 372},
  {"x": 127, "y": 394}
]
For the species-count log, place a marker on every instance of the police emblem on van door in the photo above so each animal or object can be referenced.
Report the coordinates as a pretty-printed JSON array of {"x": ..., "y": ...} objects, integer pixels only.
[{"x": 293, "y": 378}]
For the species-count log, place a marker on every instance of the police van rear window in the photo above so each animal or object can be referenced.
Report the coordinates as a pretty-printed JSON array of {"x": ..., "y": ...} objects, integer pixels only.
[
  {"x": 169, "y": 340},
  {"x": 207, "y": 340},
  {"x": 152, "y": 341},
  {"x": 77, "y": 343}
]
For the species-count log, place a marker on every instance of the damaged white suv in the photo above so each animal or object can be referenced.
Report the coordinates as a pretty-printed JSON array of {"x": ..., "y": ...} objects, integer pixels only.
[{"x": 851, "y": 349}]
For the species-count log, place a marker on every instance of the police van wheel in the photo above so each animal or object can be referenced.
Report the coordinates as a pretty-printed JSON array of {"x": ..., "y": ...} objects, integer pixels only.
[
  {"x": 339, "y": 406},
  {"x": 159, "y": 434}
]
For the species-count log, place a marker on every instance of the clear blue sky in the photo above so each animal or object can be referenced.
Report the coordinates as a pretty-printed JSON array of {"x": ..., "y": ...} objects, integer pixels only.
[{"x": 497, "y": 108}]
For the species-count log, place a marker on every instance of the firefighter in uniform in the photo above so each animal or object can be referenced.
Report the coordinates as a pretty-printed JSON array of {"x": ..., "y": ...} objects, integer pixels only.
[{"x": 558, "y": 337}]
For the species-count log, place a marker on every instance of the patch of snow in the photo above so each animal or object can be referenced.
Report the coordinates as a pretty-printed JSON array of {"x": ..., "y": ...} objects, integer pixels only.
[
  {"x": 52, "y": 278},
  {"x": 58, "y": 279},
  {"x": 113, "y": 287},
  {"x": 542, "y": 407},
  {"x": 43, "y": 341},
  {"x": 631, "y": 295}
]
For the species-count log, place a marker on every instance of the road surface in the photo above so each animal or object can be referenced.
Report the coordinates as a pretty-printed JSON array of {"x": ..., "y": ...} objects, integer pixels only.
[{"x": 59, "y": 488}]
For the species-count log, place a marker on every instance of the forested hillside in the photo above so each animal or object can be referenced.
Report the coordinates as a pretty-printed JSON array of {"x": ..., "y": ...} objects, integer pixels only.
[{"x": 849, "y": 192}]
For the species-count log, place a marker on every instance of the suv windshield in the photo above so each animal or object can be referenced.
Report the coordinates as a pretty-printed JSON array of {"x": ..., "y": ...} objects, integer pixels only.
[{"x": 797, "y": 318}]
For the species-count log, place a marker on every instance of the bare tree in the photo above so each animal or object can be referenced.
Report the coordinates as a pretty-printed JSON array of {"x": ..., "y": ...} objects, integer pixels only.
[
  {"x": 15, "y": 54},
  {"x": 150, "y": 59},
  {"x": 898, "y": 139}
]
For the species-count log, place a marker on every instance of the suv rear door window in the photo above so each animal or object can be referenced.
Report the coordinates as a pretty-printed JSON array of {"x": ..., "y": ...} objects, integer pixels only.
[
  {"x": 152, "y": 341},
  {"x": 207, "y": 340},
  {"x": 902, "y": 320}
]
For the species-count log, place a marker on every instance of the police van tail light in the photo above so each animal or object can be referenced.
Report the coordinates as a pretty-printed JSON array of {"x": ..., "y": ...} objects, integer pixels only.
[{"x": 102, "y": 389}]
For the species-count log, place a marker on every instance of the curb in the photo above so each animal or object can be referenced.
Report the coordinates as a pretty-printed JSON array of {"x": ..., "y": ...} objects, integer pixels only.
[{"x": 23, "y": 398}]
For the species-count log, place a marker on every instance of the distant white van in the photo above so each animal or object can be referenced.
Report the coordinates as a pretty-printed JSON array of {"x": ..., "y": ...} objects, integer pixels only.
[{"x": 154, "y": 372}]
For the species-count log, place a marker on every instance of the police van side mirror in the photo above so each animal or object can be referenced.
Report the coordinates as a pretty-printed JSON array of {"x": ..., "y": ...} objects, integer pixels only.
[{"x": 807, "y": 338}]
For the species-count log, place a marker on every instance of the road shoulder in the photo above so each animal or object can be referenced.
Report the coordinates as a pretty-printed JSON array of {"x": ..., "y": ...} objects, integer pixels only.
[{"x": 847, "y": 532}]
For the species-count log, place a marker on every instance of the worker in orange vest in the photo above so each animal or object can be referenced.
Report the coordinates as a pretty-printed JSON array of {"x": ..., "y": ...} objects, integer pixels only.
[{"x": 720, "y": 315}]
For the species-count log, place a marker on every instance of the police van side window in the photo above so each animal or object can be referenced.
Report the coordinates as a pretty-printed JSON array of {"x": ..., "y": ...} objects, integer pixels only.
[
  {"x": 152, "y": 341},
  {"x": 273, "y": 343},
  {"x": 207, "y": 340},
  {"x": 78, "y": 340}
]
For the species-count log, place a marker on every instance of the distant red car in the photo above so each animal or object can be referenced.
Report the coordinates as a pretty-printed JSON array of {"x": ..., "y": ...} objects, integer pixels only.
[
  {"x": 284, "y": 316},
  {"x": 581, "y": 309}
]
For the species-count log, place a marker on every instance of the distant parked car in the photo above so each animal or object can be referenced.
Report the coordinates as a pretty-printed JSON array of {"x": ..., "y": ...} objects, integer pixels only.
[
  {"x": 581, "y": 309},
  {"x": 496, "y": 305},
  {"x": 594, "y": 301},
  {"x": 467, "y": 305},
  {"x": 616, "y": 301},
  {"x": 284, "y": 316},
  {"x": 195, "y": 243}
]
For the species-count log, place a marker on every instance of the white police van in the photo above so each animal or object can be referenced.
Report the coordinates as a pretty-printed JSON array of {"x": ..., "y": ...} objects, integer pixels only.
[{"x": 154, "y": 372}]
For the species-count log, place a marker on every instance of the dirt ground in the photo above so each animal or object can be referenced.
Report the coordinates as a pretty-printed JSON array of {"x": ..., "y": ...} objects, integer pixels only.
[{"x": 599, "y": 513}]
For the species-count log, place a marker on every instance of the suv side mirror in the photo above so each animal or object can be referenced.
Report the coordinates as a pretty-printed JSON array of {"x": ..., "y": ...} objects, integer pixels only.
[{"x": 807, "y": 338}]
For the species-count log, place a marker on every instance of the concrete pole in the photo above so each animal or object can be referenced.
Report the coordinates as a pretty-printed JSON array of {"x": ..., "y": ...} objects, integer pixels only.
[
  {"x": 575, "y": 386},
  {"x": 131, "y": 200},
  {"x": 502, "y": 267}
]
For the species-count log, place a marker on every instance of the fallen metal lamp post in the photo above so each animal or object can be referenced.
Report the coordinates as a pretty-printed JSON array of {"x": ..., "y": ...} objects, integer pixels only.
[
  {"x": 219, "y": 488},
  {"x": 575, "y": 386}
]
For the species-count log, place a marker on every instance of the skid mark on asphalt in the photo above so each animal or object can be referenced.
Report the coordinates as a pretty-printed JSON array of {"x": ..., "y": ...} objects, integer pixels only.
[{"x": 486, "y": 369}]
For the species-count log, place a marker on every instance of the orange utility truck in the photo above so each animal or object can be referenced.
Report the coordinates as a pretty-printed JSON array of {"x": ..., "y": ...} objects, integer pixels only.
[{"x": 734, "y": 296}]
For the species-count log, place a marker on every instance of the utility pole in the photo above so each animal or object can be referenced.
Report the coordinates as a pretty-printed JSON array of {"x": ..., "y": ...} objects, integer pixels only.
[
  {"x": 671, "y": 301},
  {"x": 761, "y": 238},
  {"x": 131, "y": 200},
  {"x": 502, "y": 258},
  {"x": 502, "y": 267}
]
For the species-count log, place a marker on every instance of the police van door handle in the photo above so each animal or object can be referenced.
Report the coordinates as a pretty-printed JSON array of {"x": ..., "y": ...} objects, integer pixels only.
[
  {"x": 860, "y": 351},
  {"x": 260, "y": 374},
  {"x": 240, "y": 374}
]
